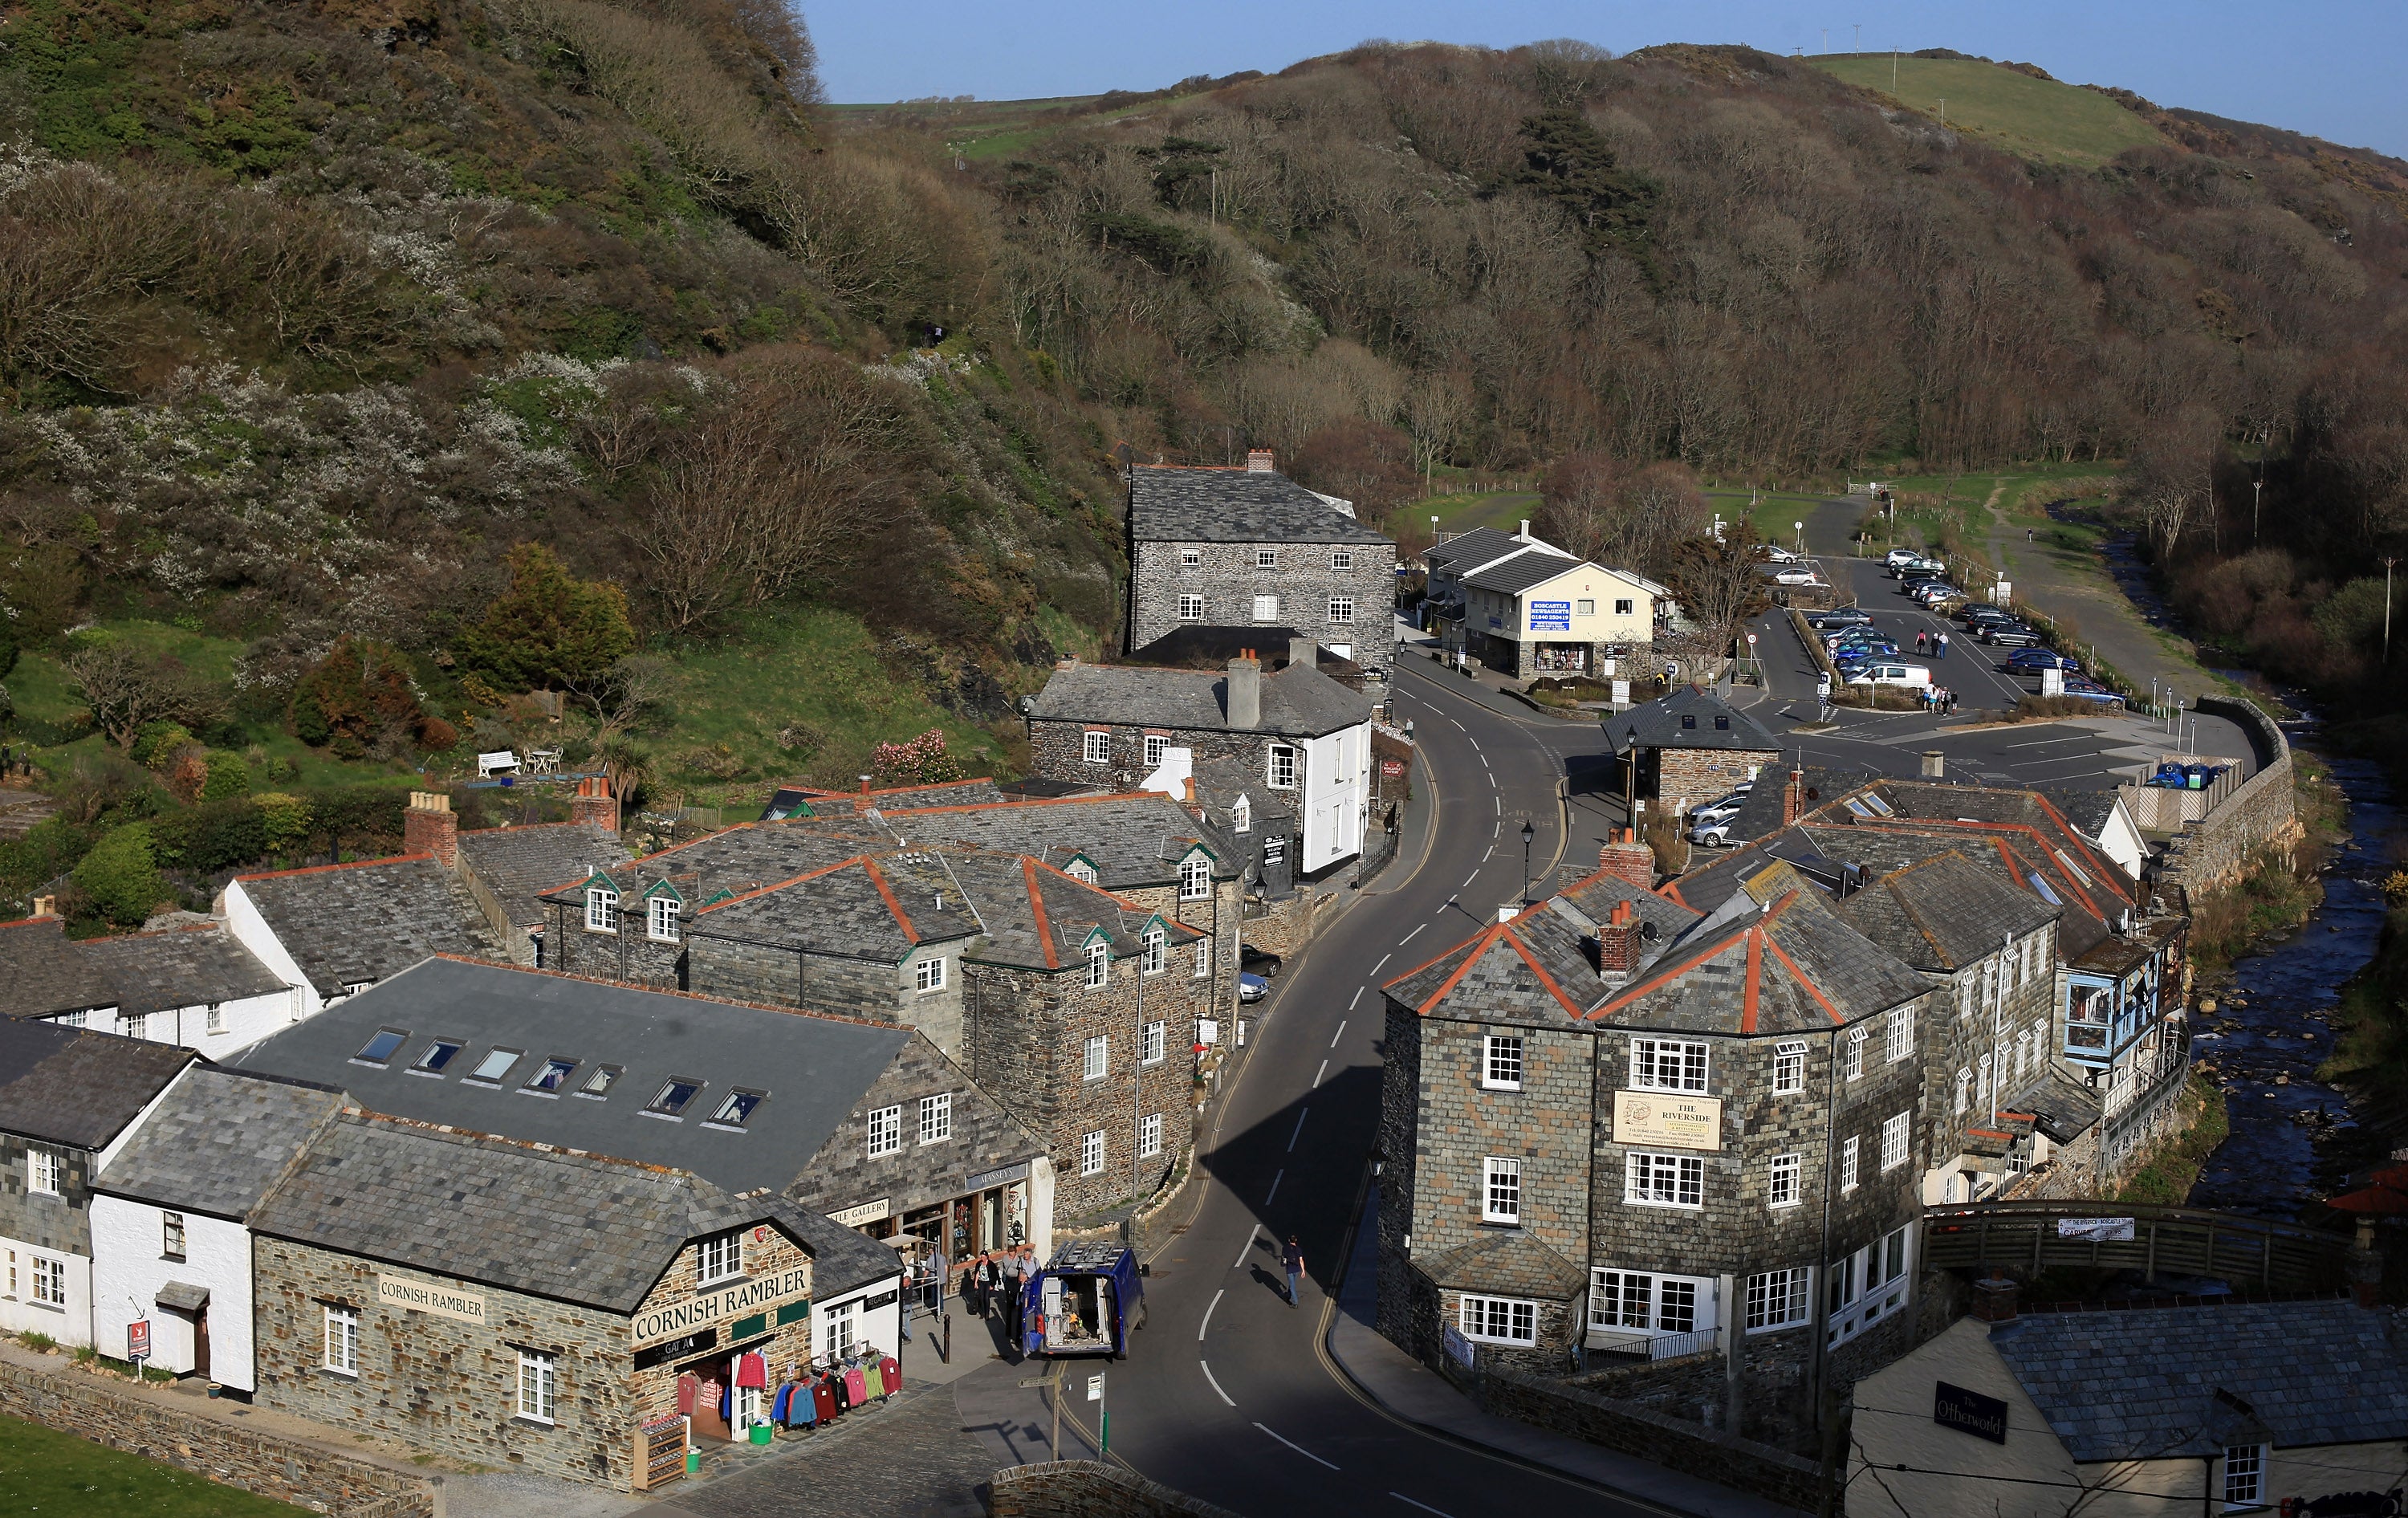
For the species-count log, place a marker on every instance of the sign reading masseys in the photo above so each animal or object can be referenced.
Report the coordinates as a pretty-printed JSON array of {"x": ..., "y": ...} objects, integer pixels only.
[{"x": 733, "y": 1300}]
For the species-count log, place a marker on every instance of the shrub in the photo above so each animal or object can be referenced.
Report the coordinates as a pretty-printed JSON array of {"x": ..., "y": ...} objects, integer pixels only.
[
  {"x": 121, "y": 876},
  {"x": 549, "y": 628},
  {"x": 229, "y": 775},
  {"x": 360, "y": 697},
  {"x": 920, "y": 762},
  {"x": 284, "y": 819},
  {"x": 157, "y": 741},
  {"x": 212, "y": 837}
]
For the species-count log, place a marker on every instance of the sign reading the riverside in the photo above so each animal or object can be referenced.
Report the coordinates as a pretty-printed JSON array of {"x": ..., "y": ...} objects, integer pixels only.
[
  {"x": 426, "y": 1297},
  {"x": 1654, "y": 1117},
  {"x": 734, "y": 1301},
  {"x": 1551, "y": 616}
]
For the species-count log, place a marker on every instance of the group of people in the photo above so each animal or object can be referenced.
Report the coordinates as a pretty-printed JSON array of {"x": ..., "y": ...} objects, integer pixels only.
[
  {"x": 1939, "y": 699},
  {"x": 1935, "y": 644},
  {"x": 996, "y": 1284}
]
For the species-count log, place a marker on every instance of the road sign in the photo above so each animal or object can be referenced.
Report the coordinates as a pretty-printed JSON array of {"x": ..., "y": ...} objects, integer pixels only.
[
  {"x": 1751, "y": 641},
  {"x": 1096, "y": 1387},
  {"x": 1392, "y": 768},
  {"x": 138, "y": 1340}
]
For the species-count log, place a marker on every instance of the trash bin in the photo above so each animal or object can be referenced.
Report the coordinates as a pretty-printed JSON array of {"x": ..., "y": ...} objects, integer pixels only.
[
  {"x": 762, "y": 1433},
  {"x": 692, "y": 1461}
]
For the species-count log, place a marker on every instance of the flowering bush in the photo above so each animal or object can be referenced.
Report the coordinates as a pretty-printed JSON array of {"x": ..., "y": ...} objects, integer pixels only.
[{"x": 920, "y": 762}]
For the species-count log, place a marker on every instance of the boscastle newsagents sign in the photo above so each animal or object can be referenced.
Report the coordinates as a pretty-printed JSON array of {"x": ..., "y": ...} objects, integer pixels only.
[{"x": 735, "y": 1300}]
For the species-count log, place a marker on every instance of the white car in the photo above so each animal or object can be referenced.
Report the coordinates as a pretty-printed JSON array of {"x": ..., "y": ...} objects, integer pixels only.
[
  {"x": 1774, "y": 554},
  {"x": 1904, "y": 674},
  {"x": 1797, "y": 574},
  {"x": 1901, "y": 555}
]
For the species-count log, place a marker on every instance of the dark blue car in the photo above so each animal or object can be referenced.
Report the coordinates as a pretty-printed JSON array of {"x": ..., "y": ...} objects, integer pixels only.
[{"x": 2032, "y": 661}]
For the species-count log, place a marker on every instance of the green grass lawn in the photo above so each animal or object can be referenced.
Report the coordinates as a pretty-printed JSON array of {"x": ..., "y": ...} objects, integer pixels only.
[
  {"x": 43, "y": 1470},
  {"x": 1503, "y": 509},
  {"x": 811, "y": 666},
  {"x": 2038, "y": 118}
]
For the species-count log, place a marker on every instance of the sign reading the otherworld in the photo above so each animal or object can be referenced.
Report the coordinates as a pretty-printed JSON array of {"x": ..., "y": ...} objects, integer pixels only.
[{"x": 1969, "y": 1412}]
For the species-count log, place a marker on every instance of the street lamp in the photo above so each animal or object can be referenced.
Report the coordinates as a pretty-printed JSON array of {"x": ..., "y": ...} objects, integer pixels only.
[
  {"x": 1527, "y": 833},
  {"x": 1802, "y": 535}
]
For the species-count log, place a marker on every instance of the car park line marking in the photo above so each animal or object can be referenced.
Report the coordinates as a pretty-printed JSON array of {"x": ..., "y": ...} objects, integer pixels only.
[
  {"x": 1297, "y": 1448},
  {"x": 1225, "y": 1396},
  {"x": 1341, "y": 1024},
  {"x": 1299, "y": 1129},
  {"x": 1274, "y": 1190},
  {"x": 1207, "y": 1315},
  {"x": 1409, "y": 938},
  {"x": 1248, "y": 1250},
  {"x": 1318, "y": 1074}
]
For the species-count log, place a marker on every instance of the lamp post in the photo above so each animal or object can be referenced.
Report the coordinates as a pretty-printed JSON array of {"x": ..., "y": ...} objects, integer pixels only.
[
  {"x": 2256, "y": 498},
  {"x": 1800, "y": 528},
  {"x": 1528, "y": 834}
]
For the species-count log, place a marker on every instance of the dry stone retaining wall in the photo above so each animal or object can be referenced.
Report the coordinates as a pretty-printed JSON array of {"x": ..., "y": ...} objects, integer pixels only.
[
  {"x": 1089, "y": 1489},
  {"x": 2214, "y": 852},
  {"x": 285, "y": 1469}
]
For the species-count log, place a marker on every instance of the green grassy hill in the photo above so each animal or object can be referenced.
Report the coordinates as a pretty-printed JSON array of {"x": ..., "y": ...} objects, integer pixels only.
[{"x": 2039, "y": 118}]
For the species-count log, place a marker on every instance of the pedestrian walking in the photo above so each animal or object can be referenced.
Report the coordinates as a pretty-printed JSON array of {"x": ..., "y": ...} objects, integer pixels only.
[
  {"x": 1920, "y": 639},
  {"x": 1940, "y": 646},
  {"x": 1293, "y": 1257}
]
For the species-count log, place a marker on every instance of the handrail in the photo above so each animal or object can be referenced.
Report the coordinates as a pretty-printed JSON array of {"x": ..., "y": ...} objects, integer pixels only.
[{"x": 2139, "y": 1211}]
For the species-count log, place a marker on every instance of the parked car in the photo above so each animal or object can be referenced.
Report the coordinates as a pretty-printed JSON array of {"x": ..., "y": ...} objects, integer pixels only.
[
  {"x": 1892, "y": 674},
  {"x": 2032, "y": 661},
  {"x": 1931, "y": 592},
  {"x": 1251, "y": 988},
  {"x": 1261, "y": 961},
  {"x": 2014, "y": 634},
  {"x": 1903, "y": 555},
  {"x": 1712, "y": 833},
  {"x": 1774, "y": 554},
  {"x": 1847, "y": 616},
  {"x": 1718, "y": 808},
  {"x": 1902, "y": 568},
  {"x": 1797, "y": 574},
  {"x": 2097, "y": 695},
  {"x": 1973, "y": 614},
  {"x": 1847, "y": 636}
]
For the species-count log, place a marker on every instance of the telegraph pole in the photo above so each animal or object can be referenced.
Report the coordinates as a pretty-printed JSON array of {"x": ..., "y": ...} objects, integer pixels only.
[{"x": 2386, "y": 609}]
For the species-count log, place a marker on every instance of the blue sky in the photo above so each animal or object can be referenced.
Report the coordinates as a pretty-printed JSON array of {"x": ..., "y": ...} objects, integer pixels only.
[{"x": 2328, "y": 68}]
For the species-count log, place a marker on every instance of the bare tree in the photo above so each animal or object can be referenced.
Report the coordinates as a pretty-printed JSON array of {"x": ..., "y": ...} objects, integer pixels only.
[
  {"x": 1720, "y": 585},
  {"x": 127, "y": 690},
  {"x": 1438, "y": 413},
  {"x": 622, "y": 694}
]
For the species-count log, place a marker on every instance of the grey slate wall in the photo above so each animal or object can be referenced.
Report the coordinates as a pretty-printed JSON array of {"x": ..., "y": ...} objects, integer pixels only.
[
  {"x": 842, "y": 1174},
  {"x": 61, "y": 1223},
  {"x": 1303, "y": 581}
]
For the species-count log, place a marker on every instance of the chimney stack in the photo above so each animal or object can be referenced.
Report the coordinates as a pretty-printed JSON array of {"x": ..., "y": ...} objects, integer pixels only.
[
  {"x": 1994, "y": 1300},
  {"x": 1935, "y": 764},
  {"x": 45, "y": 906},
  {"x": 1793, "y": 797},
  {"x": 1617, "y": 943},
  {"x": 1305, "y": 652},
  {"x": 1246, "y": 691},
  {"x": 431, "y": 827},
  {"x": 594, "y": 803},
  {"x": 1258, "y": 461},
  {"x": 1526, "y": 529},
  {"x": 865, "y": 785},
  {"x": 1628, "y": 859},
  {"x": 1191, "y": 790}
]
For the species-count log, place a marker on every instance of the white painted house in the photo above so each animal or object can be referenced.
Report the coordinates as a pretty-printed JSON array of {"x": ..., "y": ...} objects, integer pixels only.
[{"x": 170, "y": 1245}]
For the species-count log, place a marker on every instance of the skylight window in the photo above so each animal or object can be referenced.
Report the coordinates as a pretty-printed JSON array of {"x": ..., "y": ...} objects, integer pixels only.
[
  {"x": 437, "y": 1055},
  {"x": 598, "y": 1084},
  {"x": 737, "y": 1109},
  {"x": 379, "y": 1050},
  {"x": 551, "y": 1076},
  {"x": 496, "y": 1064},
  {"x": 1872, "y": 799},
  {"x": 675, "y": 1095},
  {"x": 2040, "y": 883},
  {"x": 2075, "y": 869}
]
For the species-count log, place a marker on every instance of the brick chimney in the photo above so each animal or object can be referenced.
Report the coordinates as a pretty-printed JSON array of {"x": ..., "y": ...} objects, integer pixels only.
[
  {"x": 594, "y": 803},
  {"x": 1617, "y": 943},
  {"x": 45, "y": 906},
  {"x": 1258, "y": 461},
  {"x": 431, "y": 827},
  {"x": 1628, "y": 859},
  {"x": 1246, "y": 691},
  {"x": 1793, "y": 797}
]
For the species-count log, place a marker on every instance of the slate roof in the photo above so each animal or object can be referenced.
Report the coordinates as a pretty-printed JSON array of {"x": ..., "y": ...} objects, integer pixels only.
[
  {"x": 804, "y": 800},
  {"x": 220, "y": 1140},
  {"x": 1596, "y": 894},
  {"x": 575, "y": 1227},
  {"x": 1511, "y": 1262},
  {"x": 2087, "y": 810},
  {"x": 1235, "y": 505},
  {"x": 1134, "y": 839},
  {"x": 1534, "y": 971},
  {"x": 1299, "y": 701},
  {"x": 2061, "y": 1107},
  {"x": 46, "y": 975},
  {"x": 1481, "y": 545},
  {"x": 519, "y": 863},
  {"x": 1656, "y": 724},
  {"x": 1942, "y": 914},
  {"x": 1792, "y": 968},
  {"x": 814, "y": 1068},
  {"x": 869, "y": 907},
  {"x": 78, "y": 1087},
  {"x": 2127, "y": 1385},
  {"x": 345, "y": 925},
  {"x": 1523, "y": 570},
  {"x": 183, "y": 966}
]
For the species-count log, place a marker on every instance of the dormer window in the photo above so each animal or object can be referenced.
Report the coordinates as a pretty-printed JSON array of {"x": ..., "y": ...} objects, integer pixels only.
[
  {"x": 1689, "y": 719},
  {"x": 1080, "y": 869},
  {"x": 1099, "y": 963},
  {"x": 661, "y": 922},
  {"x": 601, "y": 909},
  {"x": 1157, "y": 954},
  {"x": 1196, "y": 879},
  {"x": 1242, "y": 816}
]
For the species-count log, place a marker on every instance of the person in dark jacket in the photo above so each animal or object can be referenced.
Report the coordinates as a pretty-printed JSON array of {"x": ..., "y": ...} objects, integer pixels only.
[{"x": 1293, "y": 1257}]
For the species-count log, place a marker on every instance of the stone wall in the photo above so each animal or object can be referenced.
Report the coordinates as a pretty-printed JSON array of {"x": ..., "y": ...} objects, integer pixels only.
[
  {"x": 985, "y": 1137},
  {"x": 2214, "y": 852},
  {"x": 1058, "y": 751},
  {"x": 1303, "y": 580},
  {"x": 1744, "y": 1465},
  {"x": 287, "y": 1470},
  {"x": 1698, "y": 775},
  {"x": 1088, "y": 1489},
  {"x": 1286, "y": 926}
]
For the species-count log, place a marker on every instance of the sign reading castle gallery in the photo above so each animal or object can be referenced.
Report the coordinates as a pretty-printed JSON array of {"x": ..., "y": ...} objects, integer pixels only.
[
  {"x": 1654, "y": 1117},
  {"x": 733, "y": 1300}
]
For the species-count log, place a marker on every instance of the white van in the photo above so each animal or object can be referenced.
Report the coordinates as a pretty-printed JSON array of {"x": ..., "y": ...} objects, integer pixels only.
[{"x": 1893, "y": 674}]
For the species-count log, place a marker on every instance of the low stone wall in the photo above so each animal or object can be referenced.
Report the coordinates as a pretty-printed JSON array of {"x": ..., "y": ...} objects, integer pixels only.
[
  {"x": 1759, "y": 1469},
  {"x": 285, "y": 1469},
  {"x": 2215, "y": 851},
  {"x": 1088, "y": 1489},
  {"x": 1288, "y": 925}
]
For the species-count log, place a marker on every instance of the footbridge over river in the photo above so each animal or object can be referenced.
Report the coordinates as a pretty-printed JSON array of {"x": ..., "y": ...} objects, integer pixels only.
[{"x": 2249, "y": 1253}]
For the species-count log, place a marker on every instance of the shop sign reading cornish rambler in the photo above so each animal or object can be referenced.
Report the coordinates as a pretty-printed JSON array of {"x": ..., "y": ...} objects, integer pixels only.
[{"x": 730, "y": 1301}]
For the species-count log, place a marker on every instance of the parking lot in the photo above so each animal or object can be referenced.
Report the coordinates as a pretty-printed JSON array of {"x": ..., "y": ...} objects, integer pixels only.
[{"x": 2080, "y": 753}]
